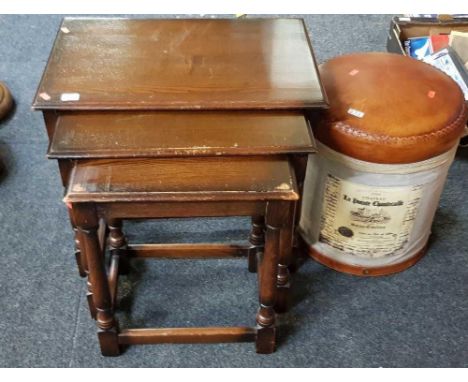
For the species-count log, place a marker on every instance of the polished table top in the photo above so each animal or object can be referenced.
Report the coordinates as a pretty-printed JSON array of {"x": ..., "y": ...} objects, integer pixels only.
[
  {"x": 127, "y": 134},
  {"x": 155, "y": 64},
  {"x": 183, "y": 179}
]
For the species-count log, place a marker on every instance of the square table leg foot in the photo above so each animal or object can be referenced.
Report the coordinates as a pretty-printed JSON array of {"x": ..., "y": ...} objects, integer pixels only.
[
  {"x": 266, "y": 340},
  {"x": 108, "y": 340}
]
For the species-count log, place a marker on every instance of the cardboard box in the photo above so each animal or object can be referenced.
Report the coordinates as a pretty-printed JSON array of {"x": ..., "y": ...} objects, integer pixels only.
[{"x": 402, "y": 28}]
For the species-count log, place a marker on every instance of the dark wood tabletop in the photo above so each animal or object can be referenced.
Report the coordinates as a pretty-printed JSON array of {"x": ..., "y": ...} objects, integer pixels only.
[
  {"x": 209, "y": 179},
  {"x": 154, "y": 64},
  {"x": 127, "y": 134}
]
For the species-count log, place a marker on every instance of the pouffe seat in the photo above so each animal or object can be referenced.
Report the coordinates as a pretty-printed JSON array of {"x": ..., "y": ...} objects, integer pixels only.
[
  {"x": 411, "y": 111},
  {"x": 384, "y": 148}
]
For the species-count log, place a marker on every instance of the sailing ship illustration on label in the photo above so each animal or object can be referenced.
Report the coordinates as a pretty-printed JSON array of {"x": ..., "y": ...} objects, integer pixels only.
[{"x": 367, "y": 221}]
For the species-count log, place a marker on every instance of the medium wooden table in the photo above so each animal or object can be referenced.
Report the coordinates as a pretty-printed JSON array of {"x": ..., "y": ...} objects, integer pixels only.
[{"x": 149, "y": 88}]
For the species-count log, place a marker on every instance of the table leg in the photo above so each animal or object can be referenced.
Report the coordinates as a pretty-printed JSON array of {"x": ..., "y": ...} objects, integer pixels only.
[
  {"x": 78, "y": 254},
  {"x": 299, "y": 162},
  {"x": 65, "y": 167},
  {"x": 283, "y": 282},
  {"x": 268, "y": 267},
  {"x": 118, "y": 244},
  {"x": 88, "y": 223},
  {"x": 82, "y": 264},
  {"x": 257, "y": 239}
]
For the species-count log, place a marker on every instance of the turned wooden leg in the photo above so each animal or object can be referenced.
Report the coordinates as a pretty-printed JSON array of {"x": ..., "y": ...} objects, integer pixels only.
[
  {"x": 300, "y": 166},
  {"x": 257, "y": 239},
  {"x": 283, "y": 282},
  {"x": 266, "y": 330},
  {"x": 89, "y": 285},
  {"x": 78, "y": 255},
  {"x": 82, "y": 262},
  {"x": 118, "y": 244},
  {"x": 87, "y": 223}
]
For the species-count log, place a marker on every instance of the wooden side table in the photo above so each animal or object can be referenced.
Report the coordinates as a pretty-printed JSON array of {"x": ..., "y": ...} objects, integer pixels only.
[
  {"x": 116, "y": 89},
  {"x": 189, "y": 187},
  {"x": 169, "y": 134}
]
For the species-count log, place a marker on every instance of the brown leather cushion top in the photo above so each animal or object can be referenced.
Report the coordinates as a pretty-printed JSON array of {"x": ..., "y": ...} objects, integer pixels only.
[{"x": 387, "y": 108}]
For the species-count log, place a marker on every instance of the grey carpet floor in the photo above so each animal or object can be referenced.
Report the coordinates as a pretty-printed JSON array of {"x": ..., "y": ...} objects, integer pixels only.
[{"x": 415, "y": 318}]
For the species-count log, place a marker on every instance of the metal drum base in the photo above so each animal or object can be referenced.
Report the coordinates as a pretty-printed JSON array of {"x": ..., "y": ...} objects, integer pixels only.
[{"x": 362, "y": 271}]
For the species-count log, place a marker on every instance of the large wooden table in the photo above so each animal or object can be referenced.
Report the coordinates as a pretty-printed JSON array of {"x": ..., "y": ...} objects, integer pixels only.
[{"x": 151, "y": 88}]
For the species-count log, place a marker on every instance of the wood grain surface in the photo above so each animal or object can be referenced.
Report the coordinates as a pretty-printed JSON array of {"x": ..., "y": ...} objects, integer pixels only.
[
  {"x": 109, "y": 63},
  {"x": 170, "y": 134},
  {"x": 182, "y": 179}
]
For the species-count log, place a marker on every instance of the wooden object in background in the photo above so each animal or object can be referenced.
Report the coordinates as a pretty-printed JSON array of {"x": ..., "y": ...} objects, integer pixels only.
[{"x": 6, "y": 101}]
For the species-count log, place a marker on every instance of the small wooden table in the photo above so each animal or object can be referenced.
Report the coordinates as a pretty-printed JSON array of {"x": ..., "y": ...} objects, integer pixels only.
[
  {"x": 149, "y": 88},
  {"x": 184, "y": 187}
]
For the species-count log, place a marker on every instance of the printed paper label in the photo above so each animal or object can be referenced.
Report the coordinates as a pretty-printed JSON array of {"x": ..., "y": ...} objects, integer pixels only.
[
  {"x": 367, "y": 221},
  {"x": 65, "y": 97},
  {"x": 356, "y": 113}
]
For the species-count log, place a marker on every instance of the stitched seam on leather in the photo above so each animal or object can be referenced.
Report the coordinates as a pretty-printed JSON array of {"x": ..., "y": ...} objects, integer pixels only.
[{"x": 352, "y": 131}]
